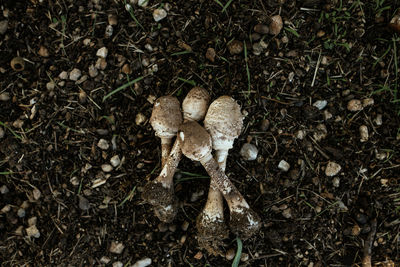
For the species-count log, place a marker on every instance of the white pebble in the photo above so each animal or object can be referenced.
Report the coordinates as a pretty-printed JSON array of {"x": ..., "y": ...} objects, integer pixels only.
[
  {"x": 320, "y": 104},
  {"x": 159, "y": 14},
  {"x": 336, "y": 182},
  {"x": 75, "y": 74},
  {"x": 32, "y": 231},
  {"x": 327, "y": 115},
  {"x": 284, "y": 166},
  {"x": 249, "y": 152},
  {"x": 93, "y": 72},
  {"x": 368, "y": 102},
  {"x": 63, "y": 75},
  {"x": 117, "y": 264},
  {"x": 364, "y": 133},
  {"x": 102, "y": 52},
  {"x": 148, "y": 47},
  {"x": 4, "y": 189},
  {"x": 287, "y": 213},
  {"x": 140, "y": 119},
  {"x": 116, "y": 247},
  {"x": 36, "y": 194},
  {"x": 109, "y": 31},
  {"x": 142, "y": 263},
  {"x": 332, "y": 168},
  {"x": 115, "y": 161},
  {"x": 103, "y": 144},
  {"x": 105, "y": 260},
  {"x": 21, "y": 213},
  {"x": 300, "y": 134},
  {"x": 5, "y": 96},
  {"x": 50, "y": 85},
  {"x": 32, "y": 221},
  {"x": 106, "y": 167},
  {"x": 378, "y": 120},
  {"x": 354, "y": 105}
]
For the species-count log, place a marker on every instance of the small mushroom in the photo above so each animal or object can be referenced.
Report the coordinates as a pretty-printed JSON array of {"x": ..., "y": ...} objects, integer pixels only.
[
  {"x": 224, "y": 122},
  {"x": 165, "y": 119},
  {"x": 160, "y": 192},
  {"x": 196, "y": 144}
]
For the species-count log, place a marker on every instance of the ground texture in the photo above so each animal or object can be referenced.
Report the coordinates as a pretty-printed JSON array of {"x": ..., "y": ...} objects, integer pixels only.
[{"x": 299, "y": 89}]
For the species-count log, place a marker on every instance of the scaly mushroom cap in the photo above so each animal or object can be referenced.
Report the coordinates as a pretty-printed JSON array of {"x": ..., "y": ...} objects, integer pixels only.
[
  {"x": 224, "y": 122},
  {"x": 195, "y": 141},
  {"x": 195, "y": 104},
  {"x": 166, "y": 116}
]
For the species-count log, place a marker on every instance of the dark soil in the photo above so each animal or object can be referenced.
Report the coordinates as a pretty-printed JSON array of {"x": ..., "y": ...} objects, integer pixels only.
[{"x": 51, "y": 165}]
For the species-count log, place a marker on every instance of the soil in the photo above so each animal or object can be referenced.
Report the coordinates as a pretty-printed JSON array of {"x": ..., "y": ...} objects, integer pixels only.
[{"x": 63, "y": 204}]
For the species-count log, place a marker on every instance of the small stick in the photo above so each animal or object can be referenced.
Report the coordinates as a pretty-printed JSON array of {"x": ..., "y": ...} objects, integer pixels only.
[{"x": 367, "y": 250}]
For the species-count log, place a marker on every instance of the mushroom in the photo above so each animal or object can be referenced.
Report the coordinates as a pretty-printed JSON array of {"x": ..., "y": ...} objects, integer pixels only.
[
  {"x": 196, "y": 144},
  {"x": 165, "y": 119},
  {"x": 160, "y": 192},
  {"x": 224, "y": 122}
]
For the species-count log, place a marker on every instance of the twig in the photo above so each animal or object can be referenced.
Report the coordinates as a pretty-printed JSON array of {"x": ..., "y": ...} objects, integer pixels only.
[{"x": 366, "y": 261}]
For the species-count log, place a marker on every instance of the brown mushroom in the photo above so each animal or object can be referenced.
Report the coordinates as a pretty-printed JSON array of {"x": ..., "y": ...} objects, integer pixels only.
[
  {"x": 160, "y": 192},
  {"x": 224, "y": 122},
  {"x": 196, "y": 144}
]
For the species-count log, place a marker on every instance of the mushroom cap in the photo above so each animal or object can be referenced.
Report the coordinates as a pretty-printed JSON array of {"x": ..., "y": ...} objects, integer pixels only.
[
  {"x": 195, "y": 104},
  {"x": 166, "y": 116},
  {"x": 224, "y": 122},
  {"x": 195, "y": 141}
]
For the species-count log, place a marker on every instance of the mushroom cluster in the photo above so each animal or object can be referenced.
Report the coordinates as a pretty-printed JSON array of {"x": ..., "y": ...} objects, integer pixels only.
[{"x": 223, "y": 123}]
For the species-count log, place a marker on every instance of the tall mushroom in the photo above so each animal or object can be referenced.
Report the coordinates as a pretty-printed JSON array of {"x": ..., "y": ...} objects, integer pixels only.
[
  {"x": 160, "y": 191},
  {"x": 224, "y": 123},
  {"x": 196, "y": 144},
  {"x": 165, "y": 119}
]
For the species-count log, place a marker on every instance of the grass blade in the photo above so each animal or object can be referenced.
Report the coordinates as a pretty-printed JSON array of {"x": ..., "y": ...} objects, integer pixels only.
[
  {"x": 227, "y": 5},
  {"x": 236, "y": 260},
  {"x": 11, "y": 130},
  {"x": 122, "y": 87}
]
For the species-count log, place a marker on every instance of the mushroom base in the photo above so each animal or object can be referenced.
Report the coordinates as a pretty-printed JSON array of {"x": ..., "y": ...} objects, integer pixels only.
[
  {"x": 166, "y": 213},
  {"x": 244, "y": 224},
  {"x": 211, "y": 234},
  {"x": 156, "y": 194}
]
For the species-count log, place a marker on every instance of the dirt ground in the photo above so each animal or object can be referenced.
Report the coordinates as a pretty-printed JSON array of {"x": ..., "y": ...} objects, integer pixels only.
[{"x": 310, "y": 92}]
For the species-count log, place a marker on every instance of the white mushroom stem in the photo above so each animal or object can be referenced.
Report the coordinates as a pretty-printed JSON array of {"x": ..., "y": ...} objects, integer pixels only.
[
  {"x": 196, "y": 145},
  {"x": 165, "y": 150}
]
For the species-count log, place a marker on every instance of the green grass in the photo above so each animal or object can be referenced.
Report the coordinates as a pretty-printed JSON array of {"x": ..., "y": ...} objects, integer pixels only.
[
  {"x": 191, "y": 82},
  {"x": 236, "y": 260},
  {"x": 190, "y": 176},
  {"x": 122, "y": 87},
  {"x": 292, "y": 31},
  {"x": 130, "y": 11},
  {"x": 128, "y": 197},
  {"x": 11, "y": 130}
]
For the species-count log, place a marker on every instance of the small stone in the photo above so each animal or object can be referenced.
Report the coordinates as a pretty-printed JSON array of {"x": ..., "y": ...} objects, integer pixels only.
[
  {"x": 198, "y": 255},
  {"x": 244, "y": 257},
  {"x": 102, "y": 52},
  {"x": 183, "y": 239},
  {"x": 101, "y": 63},
  {"x": 4, "y": 189},
  {"x": 32, "y": 221},
  {"x": 140, "y": 119},
  {"x": 230, "y": 254},
  {"x": 18, "y": 123},
  {"x": 5, "y": 209},
  {"x": 3, "y": 26},
  {"x": 103, "y": 144},
  {"x": 74, "y": 181},
  {"x": 32, "y": 231},
  {"x": 320, "y": 133},
  {"x": 261, "y": 29},
  {"x": 327, "y": 115},
  {"x": 159, "y": 14},
  {"x": 320, "y": 33},
  {"x": 257, "y": 49},
  {"x": 378, "y": 120},
  {"x": 300, "y": 134},
  {"x": 210, "y": 54},
  {"x": 287, "y": 213},
  {"x": 284, "y": 166},
  {"x": 185, "y": 226},
  {"x": 106, "y": 167},
  {"x": 142, "y": 263},
  {"x": 143, "y": 3},
  {"x": 276, "y": 25},
  {"x": 21, "y": 213},
  {"x": 115, "y": 161},
  {"x": 18, "y": 231},
  {"x": 112, "y": 19},
  {"x": 354, "y": 105},
  {"x": 380, "y": 155},
  {"x": 235, "y": 47},
  {"x": 320, "y": 104},
  {"x": 93, "y": 72},
  {"x": 355, "y": 230},
  {"x": 2, "y": 133},
  {"x": 50, "y": 86},
  {"x": 117, "y": 264},
  {"x": 367, "y": 102},
  {"x": 105, "y": 260},
  {"x": 336, "y": 182},
  {"x": 36, "y": 194},
  {"x": 43, "y": 52},
  {"x": 63, "y": 75},
  {"x": 332, "y": 168},
  {"x": 249, "y": 152},
  {"x": 145, "y": 62},
  {"x": 162, "y": 227},
  {"x": 84, "y": 204},
  {"x": 148, "y": 47},
  {"x": 126, "y": 69},
  {"x": 172, "y": 228},
  {"x": 116, "y": 247},
  {"x": 109, "y": 31},
  {"x": 75, "y": 74},
  {"x": 363, "y": 133},
  {"x": 5, "y": 96}
]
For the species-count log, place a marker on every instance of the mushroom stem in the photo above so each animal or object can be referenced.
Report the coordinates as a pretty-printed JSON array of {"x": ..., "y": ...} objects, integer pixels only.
[
  {"x": 196, "y": 145},
  {"x": 165, "y": 150}
]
